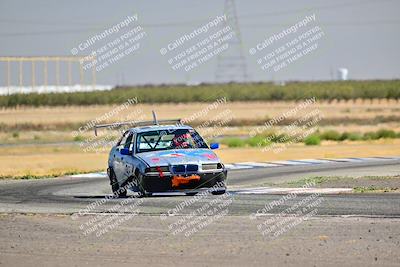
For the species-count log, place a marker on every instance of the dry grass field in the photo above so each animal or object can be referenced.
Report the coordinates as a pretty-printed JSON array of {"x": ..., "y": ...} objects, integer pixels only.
[
  {"x": 31, "y": 152},
  {"x": 241, "y": 110},
  {"x": 55, "y": 159},
  {"x": 52, "y": 124}
]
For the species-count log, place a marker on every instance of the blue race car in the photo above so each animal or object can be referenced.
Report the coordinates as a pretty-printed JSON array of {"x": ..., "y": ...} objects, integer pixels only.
[{"x": 163, "y": 156}]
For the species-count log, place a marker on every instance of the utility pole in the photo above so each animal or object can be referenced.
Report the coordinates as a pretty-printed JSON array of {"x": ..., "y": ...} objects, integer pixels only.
[{"x": 231, "y": 64}]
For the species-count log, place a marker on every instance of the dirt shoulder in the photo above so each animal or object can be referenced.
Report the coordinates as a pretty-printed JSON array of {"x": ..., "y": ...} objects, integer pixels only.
[{"x": 40, "y": 240}]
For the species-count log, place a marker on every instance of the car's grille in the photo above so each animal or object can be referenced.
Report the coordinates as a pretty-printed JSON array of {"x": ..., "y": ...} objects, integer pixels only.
[
  {"x": 192, "y": 168},
  {"x": 179, "y": 168},
  {"x": 182, "y": 169}
]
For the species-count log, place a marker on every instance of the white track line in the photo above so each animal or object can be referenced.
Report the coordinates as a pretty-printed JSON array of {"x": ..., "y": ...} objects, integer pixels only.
[
  {"x": 373, "y": 159},
  {"x": 270, "y": 164},
  {"x": 238, "y": 166},
  {"x": 343, "y": 160},
  {"x": 333, "y": 160},
  {"x": 289, "y": 162},
  {"x": 315, "y": 161},
  {"x": 271, "y": 190},
  {"x": 90, "y": 175},
  {"x": 257, "y": 164}
]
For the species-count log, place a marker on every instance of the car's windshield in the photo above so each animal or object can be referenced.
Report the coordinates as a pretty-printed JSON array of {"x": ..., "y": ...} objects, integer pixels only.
[{"x": 169, "y": 139}]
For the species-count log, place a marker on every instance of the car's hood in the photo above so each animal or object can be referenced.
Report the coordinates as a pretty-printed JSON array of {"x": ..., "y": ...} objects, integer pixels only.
[{"x": 178, "y": 156}]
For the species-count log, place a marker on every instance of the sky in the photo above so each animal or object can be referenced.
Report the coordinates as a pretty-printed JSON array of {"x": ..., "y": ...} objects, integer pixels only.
[{"x": 362, "y": 36}]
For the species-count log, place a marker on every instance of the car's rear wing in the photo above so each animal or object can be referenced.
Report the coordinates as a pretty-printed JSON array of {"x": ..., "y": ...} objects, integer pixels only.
[{"x": 155, "y": 121}]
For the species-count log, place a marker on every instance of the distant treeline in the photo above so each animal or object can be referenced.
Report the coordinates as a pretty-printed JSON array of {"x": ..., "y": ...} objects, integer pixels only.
[{"x": 328, "y": 91}]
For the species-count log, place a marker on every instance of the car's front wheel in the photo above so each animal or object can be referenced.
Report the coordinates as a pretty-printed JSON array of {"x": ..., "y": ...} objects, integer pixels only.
[
  {"x": 138, "y": 183},
  {"x": 116, "y": 189},
  {"x": 219, "y": 192}
]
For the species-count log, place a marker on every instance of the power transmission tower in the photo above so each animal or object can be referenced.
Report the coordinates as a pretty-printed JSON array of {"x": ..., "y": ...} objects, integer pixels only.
[{"x": 231, "y": 64}]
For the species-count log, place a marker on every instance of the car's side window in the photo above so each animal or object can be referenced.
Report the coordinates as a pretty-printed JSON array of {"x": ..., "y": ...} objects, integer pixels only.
[
  {"x": 132, "y": 145},
  {"x": 128, "y": 143},
  {"x": 122, "y": 142}
]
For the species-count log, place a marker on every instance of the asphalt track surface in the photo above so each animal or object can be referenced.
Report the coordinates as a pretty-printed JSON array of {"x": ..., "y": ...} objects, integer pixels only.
[
  {"x": 69, "y": 195},
  {"x": 40, "y": 224}
]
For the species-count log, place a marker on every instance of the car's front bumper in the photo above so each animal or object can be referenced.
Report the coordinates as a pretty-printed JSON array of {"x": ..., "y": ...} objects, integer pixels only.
[{"x": 169, "y": 182}]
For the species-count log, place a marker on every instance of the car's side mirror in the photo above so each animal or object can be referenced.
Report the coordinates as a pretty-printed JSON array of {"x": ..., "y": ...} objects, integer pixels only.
[
  {"x": 125, "y": 151},
  {"x": 214, "y": 145}
]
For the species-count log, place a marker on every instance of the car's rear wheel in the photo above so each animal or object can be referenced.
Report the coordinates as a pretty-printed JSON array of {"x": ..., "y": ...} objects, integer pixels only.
[{"x": 116, "y": 189}]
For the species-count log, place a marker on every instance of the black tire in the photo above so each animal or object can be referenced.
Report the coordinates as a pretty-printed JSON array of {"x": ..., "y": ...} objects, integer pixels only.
[
  {"x": 145, "y": 194},
  {"x": 191, "y": 194},
  {"x": 119, "y": 192},
  {"x": 219, "y": 192},
  {"x": 142, "y": 192},
  {"x": 122, "y": 193}
]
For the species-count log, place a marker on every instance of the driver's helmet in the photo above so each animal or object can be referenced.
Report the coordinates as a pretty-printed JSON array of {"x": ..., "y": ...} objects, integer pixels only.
[{"x": 181, "y": 140}]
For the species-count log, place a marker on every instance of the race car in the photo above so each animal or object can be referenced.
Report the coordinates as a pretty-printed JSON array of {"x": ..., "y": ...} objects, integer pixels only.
[{"x": 163, "y": 156}]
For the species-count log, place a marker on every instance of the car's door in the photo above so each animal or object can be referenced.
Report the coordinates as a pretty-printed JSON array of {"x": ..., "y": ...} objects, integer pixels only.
[
  {"x": 126, "y": 160},
  {"x": 118, "y": 157}
]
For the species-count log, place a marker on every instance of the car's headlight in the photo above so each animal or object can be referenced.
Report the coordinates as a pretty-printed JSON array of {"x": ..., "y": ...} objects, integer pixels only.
[
  {"x": 157, "y": 169},
  {"x": 212, "y": 166}
]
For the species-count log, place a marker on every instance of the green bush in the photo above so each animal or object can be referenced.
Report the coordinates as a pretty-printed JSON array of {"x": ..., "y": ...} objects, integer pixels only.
[
  {"x": 233, "y": 142},
  {"x": 281, "y": 138},
  {"x": 267, "y": 138},
  {"x": 275, "y": 137},
  {"x": 257, "y": 141},
  {"x": 355, "y": 137},
  {"x": 312, "y": 140},
  {"x": 15, "y": 134},
  {"x": 344, "y": 136},
  {"x": 350, "y": 136},
  {"x": 331, "y": 135},
  {"x": 79, "y": 138},
  {"x": 343, "y": 90},
  {"x": 384, "y": 133},
  {"x": 370, "y": 136}
]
